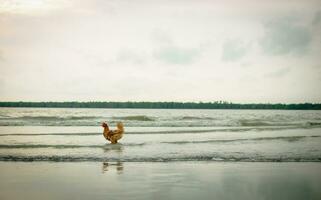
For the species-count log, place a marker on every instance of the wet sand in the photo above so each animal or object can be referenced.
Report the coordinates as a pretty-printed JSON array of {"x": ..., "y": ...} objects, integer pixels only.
[{"x": 159, "y": 180}]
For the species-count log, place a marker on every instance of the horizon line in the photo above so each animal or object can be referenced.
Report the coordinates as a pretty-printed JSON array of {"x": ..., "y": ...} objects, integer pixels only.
[{"x": 129, "y": 101}]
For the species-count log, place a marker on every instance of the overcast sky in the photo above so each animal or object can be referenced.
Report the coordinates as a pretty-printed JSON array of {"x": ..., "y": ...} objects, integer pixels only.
[{"x": 160, "y": 50}]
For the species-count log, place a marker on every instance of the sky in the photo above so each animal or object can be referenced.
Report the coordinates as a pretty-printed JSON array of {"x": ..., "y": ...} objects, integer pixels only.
[{"x": 240, "y": 51}]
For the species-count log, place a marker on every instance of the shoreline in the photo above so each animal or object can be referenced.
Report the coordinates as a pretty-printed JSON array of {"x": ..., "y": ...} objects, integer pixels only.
[
  {"x": 161, "y": 105},
  {"x": 5, "y": 159},
  {"x": 174, "y": 180}
]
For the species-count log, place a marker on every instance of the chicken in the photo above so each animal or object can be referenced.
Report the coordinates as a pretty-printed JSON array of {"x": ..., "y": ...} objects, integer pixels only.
[{"x": 113, "y": 135}]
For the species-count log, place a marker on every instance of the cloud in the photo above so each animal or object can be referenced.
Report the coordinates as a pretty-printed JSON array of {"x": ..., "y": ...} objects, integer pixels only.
[
  {"x": 285, "y": 36},
  {"x": 317, "y": 18},
  {"x": 32, "y": 7},
  {"x": 1, "y": 56},
  {"x": 171, "y": 51},
  {"x": 176, "y": 55},
  {"x": 120, "y": 50},
  {"x": 160, "y": 36},
  {"x": 129, "y": 56},
  {"x": 234, "y": 50},
  {"x": 278, "y": 73}
]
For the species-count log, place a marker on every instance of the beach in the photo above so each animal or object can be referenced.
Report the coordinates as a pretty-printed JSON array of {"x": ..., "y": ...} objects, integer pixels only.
[
  {"x": 52, "y": 153},
  {"x": 174, "y": 180}
]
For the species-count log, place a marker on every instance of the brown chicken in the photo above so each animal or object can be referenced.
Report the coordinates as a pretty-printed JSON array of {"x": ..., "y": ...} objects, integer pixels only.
[{"x": 113, "y": 135}]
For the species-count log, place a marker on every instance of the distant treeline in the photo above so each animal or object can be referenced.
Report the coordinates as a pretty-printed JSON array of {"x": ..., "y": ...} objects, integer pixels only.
[{"x": 163, "y": 105}]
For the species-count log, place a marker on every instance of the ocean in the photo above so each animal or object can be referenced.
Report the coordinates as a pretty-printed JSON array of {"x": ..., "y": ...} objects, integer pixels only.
[
  {"x": 58, "y": 153},
  {"x": 160, "y": 135}
]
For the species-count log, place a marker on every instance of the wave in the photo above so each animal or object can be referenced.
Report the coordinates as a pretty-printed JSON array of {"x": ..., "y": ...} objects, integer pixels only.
[
  {"x": 138, "y": 132},
  {"x": 286, "y": 138},
  {"x": 254, "y": 123},
  {"x": 158, "y": 159},
  {"x": 135, "y": 118},
  {"x": 133, "y": 132},
  {"x": 44, "y": 134},
  {"x": 96, "y": 122},
  {"x": 51, "y": 118},
  {"x": 64, "y": 146},
  {"x": 313, "y": 123},
  {"x": 196, "y": 118},
  {"x": 147, "y": 121},
  {"x": 242, "y": 129},
  {"x": 258, "y": 122}
]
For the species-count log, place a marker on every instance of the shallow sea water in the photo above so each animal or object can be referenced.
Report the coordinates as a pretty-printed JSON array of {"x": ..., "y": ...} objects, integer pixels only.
[
  {"x": 160, "y": 180},
  {"x": 49, "y": 153},
  {"x": 56, "y": 134}
]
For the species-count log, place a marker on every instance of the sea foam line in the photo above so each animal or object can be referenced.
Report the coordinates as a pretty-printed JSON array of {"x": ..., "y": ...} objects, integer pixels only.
[
  {"x": 236, "y": 129},
  {"x": 55, "y": 158},
  {"x": 65, "y": 146},
  {"x": 62, "y": 146}
]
